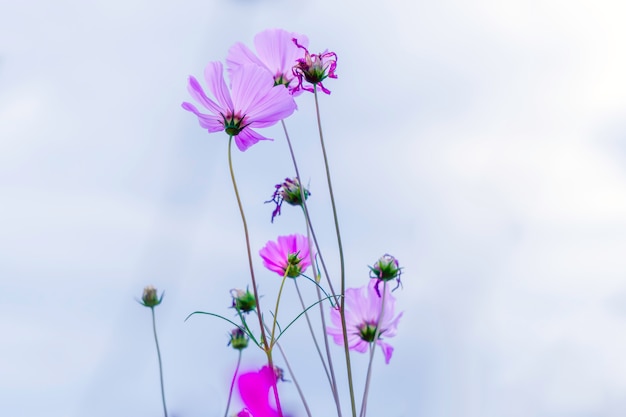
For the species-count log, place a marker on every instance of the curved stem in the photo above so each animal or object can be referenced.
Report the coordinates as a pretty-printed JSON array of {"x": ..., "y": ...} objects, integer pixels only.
[
  {"x": 342, "y": 306},
  {"x": 245, "y": 229},
  {"x": 265, "y": 345},
  {"x": 232, "y": 384},
  {"x": 156, "y": 341},
  {"x": 372, "y": 350}
]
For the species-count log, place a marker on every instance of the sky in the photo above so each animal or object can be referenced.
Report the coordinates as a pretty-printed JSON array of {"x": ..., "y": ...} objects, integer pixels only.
[{"x": 482, "y": 143}]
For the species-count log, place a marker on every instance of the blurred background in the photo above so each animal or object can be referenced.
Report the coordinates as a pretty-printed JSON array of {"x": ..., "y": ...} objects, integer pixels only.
[{"x": 482, "y": 143}]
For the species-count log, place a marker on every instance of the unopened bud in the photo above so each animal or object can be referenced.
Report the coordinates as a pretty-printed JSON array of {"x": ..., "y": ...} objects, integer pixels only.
[
  {"x": 243, "y": 300},
  {"x": 386, "y": 268},
  {"x": 150, "y": 297},
  {"x": 238, "y": 339}
]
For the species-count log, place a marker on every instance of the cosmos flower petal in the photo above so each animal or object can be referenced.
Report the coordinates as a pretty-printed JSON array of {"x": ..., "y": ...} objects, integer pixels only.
[
  {"x": 239, "y": 54},
  {"x": 214, "y": 76},
  {"x": 197, "y": 92},
  {"x": 247, "y": 138},
  {"x": 276, "y": 255},
  {"x": 277, "y": 50},
  {"x": 387, "y": 350},
  {"x": 363, "y": 310},
  {"x": 276, "y": 105},
  {"x": 207, "y": 121}
]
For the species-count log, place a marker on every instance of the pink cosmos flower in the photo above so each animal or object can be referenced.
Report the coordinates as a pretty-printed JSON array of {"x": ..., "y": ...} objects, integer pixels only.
[
  {"x": 288, "y": 255},
  {"x": 251, "y": 103},
  {"x": 254, "y": 388},
  {"x": 363, "y": 307},
  {"x": 314, "y": 68},
  {"x": 275, "y": 51}
]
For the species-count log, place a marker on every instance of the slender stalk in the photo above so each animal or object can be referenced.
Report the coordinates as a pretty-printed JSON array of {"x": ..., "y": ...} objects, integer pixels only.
[
  {"x": 308, "y": 321},
  {"x": 245, "y": 229},
  {"x": 311, "y": 233},
  {"x": 156, "y": 342},
  {"x": 280, "y": 292},
  {"x": 264, "y": 343},
  {"x": 308, "y": 218},
  {"x": 232, "y": 384},
  {"x": 293, "y": 377},
  {"x": 342, "y": 306},
  {"x": 372, "y": 350}
]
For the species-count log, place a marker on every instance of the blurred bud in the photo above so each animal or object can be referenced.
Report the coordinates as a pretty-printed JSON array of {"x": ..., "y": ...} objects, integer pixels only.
[
  {"x": 238, "y": 339},
  {"x": 289, "y": 192},
  {"x": 386, "y": 268},
  {"x": 150, "y": 297},
  {"x": 243, "y": 300}
]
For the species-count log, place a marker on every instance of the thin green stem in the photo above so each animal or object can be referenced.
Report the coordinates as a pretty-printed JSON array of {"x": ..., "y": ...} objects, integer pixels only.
[
  {"x": 317, "y": 346},
  {"x": 280, "y": 292},
  {"x": 311, "y": 233},
  {"x": 372, "y": 350},
  {"x": 342, "y": 306},
  {"x": 232, "y": 384},
  {"x": 266, "y": 347},
  {"x": 245, "y": 229},
  {"x": 308, "y": 217},
  {"x": 156, "y": 342}
]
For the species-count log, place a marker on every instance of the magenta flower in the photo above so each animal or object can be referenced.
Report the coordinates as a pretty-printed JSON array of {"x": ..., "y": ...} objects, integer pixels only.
[
  {"x": 363, "y": 307},
  {"x": 254, "y": 388},
  {"x": 314, "y": 68},
  {"x": 251, "y": 103},
  {"x": 289, "y": 255},
  {"x": 275, "y": 51}
]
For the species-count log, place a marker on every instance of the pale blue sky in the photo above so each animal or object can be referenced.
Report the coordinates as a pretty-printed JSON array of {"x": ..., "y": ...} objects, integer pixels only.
[{"x": 482, "y": 143}]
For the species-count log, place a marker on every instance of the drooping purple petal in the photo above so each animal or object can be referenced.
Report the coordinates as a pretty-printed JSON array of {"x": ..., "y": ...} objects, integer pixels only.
[
  {"x": 197, "y": 92},
  {"x": 207, "y": 121},
  {"x": 248, "y": 137}
]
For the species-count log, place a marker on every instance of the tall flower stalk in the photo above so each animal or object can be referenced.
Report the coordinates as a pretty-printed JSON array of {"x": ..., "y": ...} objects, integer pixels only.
[{"x": 151, "y": 299}]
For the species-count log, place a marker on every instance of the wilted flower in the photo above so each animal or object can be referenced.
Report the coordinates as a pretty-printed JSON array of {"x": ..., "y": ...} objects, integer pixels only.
[
  {"x": 243, "y": 301},
  {"x": 275, "y": 51},
  {"x": 385, "y": 269},
  {"x": 150, "y": 297},
  {"x": 238, "y": 339},
  {"x": 314, "y": 68},
  {"x": 251, "y": 103},
  {"x": 363, "y": 311},
  {"x": 289, "y": 255},
  {"x": 254, "y": 388},
  {"x": 289, "y": 192}
]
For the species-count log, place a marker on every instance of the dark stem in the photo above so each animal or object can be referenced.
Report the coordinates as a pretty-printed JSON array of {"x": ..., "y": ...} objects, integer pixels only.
[{"x": 232, "y": 384}]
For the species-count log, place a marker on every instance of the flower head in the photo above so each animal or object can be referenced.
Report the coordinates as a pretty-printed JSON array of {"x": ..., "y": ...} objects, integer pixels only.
[
  {"x": 243, "y": 301},
  {"x": 289, "y": 192},
  {"x": 150, "y": 298},
  {"x": 386, "y": 269},
  {"x": 275, "y": 51},
  {"x": 251, "y": 103},
  {"x": 238, "y": 339},
  {"x": 288, "y": 256},
  {"x": 363, "y": 311},
  {"x": 254, "y": 388},
  {"x": 314, "y": 68}
]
